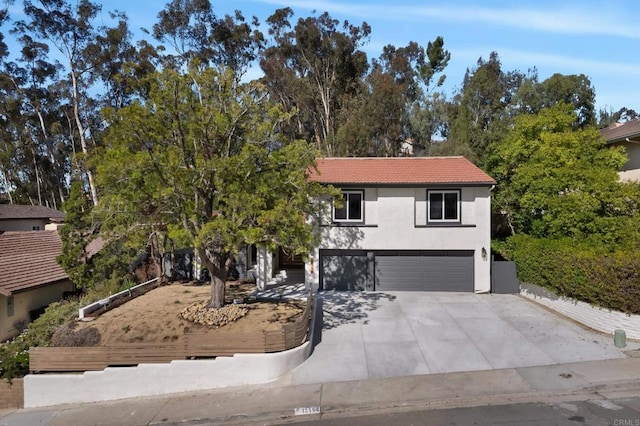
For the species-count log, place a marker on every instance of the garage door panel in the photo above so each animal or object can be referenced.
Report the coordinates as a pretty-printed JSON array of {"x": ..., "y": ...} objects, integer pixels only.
[
  {"x": 424, "y": 271},
  {"x": 345, "y": 272},
  {"x": 386, "y": 272}
]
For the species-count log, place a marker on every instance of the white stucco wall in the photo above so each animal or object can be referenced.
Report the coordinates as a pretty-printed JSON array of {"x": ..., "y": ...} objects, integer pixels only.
[
  {"x": 631, "y": 170},
  {"x": 265, "y": 267},
  {"x": 597, "y": 318},
  {"x": 26, "y": 301},
  {"x": 633, "y": 154},
  {"x": 396, "y": 219},
  {"x": 22, "y": 224},
  {"x": 42, "y": 390}
]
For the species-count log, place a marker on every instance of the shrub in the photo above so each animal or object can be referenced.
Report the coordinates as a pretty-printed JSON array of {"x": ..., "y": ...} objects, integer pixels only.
[
  {"x": 581, "y": 270},
  {"x": 67, "y": 335},
  {"x": 14, "y": 354}
]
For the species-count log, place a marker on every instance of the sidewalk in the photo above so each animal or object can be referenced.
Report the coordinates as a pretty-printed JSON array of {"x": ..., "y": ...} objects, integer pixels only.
[{"x": 275, "y": 403}]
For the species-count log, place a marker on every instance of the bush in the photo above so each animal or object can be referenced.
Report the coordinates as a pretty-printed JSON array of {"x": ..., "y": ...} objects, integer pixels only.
[
  {"x": 66, "y": 335},
  {"x": 14, "y": 354},
  {"x": 56, "y": 320},
  {"x": 581, "y": 270}
]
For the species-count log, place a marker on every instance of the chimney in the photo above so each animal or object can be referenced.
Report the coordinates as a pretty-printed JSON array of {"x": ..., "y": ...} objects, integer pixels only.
[{"x": 53, "y": 226}]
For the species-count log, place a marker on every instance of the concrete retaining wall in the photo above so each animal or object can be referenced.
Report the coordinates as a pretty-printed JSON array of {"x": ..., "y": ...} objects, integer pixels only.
[
  {"x": 86, "y": 310},
  {"x": 42, "y": 390},
  {"x": 600, "y": 319}
]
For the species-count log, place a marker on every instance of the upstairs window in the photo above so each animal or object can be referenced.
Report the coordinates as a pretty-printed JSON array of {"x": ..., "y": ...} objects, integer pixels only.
[
  {"x": 444, "y": 206},
  {"x": 352, "y": 209}
]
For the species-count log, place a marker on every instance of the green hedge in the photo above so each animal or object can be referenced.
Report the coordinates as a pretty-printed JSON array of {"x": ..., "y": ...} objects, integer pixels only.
[{"x": 582, "y": 271}]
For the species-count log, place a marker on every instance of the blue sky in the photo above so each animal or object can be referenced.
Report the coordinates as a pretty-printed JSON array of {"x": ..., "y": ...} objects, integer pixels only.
[{"x": 598, "y": 38}]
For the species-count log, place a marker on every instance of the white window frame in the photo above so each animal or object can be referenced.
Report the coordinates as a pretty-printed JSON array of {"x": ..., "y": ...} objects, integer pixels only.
[
  {"x": 345, "y": 193},
  {"x": 444, "y": 192}
]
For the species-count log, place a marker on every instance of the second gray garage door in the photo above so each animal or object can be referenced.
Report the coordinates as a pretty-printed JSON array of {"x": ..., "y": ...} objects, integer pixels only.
[{"x": 424, "y": 270}]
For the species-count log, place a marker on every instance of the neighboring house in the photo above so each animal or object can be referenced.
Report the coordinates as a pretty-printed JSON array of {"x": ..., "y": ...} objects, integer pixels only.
[
  {"x": 15, "y": 217},
  {"x": 406, "y": 224},
  {"x": 31, "y": 278},
  {"x": 626, "y": 135}
]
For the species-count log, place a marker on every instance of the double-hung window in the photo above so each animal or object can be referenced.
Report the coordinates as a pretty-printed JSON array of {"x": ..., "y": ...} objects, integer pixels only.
[
  {"x": 352, "y": 209},
  {"x": 444, "y": 206}
]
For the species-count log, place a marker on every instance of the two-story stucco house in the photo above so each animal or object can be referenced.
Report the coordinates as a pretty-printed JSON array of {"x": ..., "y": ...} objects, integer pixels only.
[{"x": 405, "y": 224}]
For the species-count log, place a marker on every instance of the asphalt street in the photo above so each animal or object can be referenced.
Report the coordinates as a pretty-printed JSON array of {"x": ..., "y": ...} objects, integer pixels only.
[{"x": 597, "y": 412}]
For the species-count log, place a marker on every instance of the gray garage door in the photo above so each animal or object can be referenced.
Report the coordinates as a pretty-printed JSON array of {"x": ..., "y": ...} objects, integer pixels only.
[
  {"x": 345, "y": 270},
  {"x": 424, "y": 270},
  {"x": 397, "y": 270}
]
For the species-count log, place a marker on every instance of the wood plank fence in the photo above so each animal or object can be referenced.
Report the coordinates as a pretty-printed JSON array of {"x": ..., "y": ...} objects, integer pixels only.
[
  {"x": 195, "y": 345},
  {"x": 11, "y": 394}
]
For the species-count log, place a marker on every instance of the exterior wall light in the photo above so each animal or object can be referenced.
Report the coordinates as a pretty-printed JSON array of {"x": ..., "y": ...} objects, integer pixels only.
[{"x": 484, "y": 253}]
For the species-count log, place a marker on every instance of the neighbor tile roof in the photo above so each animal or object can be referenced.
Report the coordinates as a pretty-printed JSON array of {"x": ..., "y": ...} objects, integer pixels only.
[
  {"x": 18, "y": 211},
  {"x": 619, "y": 132},
  {"x": 399, "y": 170},
  {"x": 28, "y": 259}
]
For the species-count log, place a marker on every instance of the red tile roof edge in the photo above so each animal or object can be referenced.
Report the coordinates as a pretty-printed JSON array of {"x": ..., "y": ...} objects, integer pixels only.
[
  {"x": 459, "y": 170},
  {"x": 29, "y": 259}
]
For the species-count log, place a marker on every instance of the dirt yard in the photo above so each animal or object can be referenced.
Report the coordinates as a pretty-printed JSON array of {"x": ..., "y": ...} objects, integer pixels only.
[{"x": 155, "y": 316}]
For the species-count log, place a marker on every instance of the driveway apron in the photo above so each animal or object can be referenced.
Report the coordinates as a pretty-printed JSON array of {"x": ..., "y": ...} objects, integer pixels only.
[{"x": 369, "y": 335}]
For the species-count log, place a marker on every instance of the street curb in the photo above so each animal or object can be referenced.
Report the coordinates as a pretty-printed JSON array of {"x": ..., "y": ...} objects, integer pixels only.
[{"x": 600, "y": 391}]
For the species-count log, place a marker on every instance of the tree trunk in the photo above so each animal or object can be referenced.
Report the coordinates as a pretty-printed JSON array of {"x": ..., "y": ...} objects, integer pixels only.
[
  {"x": 218, "y": 267},
  {"x": 81, "y": 134},
  {"x": 217, "y": 291}
]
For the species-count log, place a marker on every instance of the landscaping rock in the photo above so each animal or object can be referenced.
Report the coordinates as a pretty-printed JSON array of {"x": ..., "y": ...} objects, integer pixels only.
[{"x": 200, "y": 313}]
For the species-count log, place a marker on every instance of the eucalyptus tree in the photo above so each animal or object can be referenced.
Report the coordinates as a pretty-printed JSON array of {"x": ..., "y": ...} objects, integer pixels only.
[
  {"x": 33, "y": 111},
  {"x": 70, "y": 29},
  {"x": 399, "y": 86},
  {"x": 310, "y": 68},
  {"x": 607, "y": 117},
  {"x": 484, "y": 108},
  {"x": 192, "y": 31},
  {"x": 202, "y": 157},
  {"x": 572, "y": 89}
]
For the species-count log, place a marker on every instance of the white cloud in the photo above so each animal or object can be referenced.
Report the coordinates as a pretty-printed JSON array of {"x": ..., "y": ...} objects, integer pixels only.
[
  {"x": 576, "y": 19},
  {"x": 568, "y": 63}
]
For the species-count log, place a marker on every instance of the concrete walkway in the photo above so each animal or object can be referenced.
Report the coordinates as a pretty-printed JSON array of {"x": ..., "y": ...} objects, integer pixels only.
[
  {"x": 381, "y": 335},
  {"x": 276, "y": 404}
]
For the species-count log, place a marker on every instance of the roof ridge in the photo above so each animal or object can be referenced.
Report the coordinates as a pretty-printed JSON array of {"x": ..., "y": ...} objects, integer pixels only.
[{"x": 394, "y": 158}]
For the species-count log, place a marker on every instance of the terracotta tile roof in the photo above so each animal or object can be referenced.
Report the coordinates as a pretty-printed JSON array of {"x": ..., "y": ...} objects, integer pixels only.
[
  {"x": 18, "y": 211},
  {"x": 28, "y": 259},
  {"x": 619, "y": 132},
  {"x": 95, "y": 246},
  {"x": 399, "y": 170}
]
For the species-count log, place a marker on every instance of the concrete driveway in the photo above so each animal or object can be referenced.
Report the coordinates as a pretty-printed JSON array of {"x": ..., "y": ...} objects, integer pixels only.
[{"x": 376, "y": 335}]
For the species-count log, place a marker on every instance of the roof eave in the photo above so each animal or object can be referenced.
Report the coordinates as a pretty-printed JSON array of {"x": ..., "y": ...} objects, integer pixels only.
[
  {"x": 8, "y": 293},
  {"x": 411, "y": 184}
]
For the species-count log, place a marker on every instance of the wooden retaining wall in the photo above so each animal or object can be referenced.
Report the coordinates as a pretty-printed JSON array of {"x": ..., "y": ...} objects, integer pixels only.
[
  {"x": 196, "y": 345},
  {"x": 11, "y": 395}
]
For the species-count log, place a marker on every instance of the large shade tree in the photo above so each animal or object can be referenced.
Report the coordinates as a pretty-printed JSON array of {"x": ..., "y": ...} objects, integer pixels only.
[
  {"x": 559, "y": 181},
  {"x": 204, "y": 154}
]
